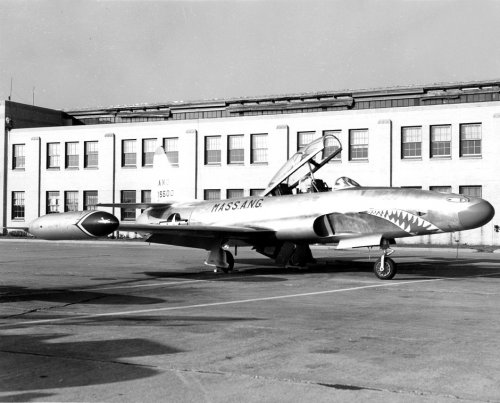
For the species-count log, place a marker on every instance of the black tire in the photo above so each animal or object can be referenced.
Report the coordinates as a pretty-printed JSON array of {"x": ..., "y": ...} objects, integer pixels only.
[
  {"x": 230, "y": 262},
  {"x": 388, "y": 271}
]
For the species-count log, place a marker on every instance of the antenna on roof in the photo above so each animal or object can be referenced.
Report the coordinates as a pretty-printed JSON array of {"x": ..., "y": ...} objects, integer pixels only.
[
  {"x": 10, "y": 94},
  {"x": 33, "y": 95}
]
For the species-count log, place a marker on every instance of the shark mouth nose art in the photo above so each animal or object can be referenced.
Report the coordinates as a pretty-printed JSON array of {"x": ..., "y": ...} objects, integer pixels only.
[{"x": 408, "y": 222}]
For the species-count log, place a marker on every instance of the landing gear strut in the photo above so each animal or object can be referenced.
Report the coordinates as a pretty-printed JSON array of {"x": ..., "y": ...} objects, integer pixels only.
[
  {"x": 385, "y": 267},
  {"x": 221, "y": 258}
]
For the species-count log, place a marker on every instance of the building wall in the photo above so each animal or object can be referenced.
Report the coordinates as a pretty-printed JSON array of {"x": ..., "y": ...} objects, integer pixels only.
[{"x": 383, "y": 167}]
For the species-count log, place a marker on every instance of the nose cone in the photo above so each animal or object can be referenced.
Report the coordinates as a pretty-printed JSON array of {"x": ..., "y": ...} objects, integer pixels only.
[{"x": 476, "y": 215}]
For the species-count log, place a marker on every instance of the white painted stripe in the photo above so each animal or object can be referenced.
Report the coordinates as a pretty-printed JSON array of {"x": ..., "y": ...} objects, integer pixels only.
[{"x": 242, "y": 301}]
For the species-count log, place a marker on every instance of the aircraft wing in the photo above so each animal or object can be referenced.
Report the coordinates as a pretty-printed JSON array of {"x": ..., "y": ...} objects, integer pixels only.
[{"x": 198, "y": 235}]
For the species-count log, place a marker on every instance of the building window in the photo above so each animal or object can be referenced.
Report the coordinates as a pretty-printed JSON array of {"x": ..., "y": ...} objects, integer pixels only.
[
  {"x": 441, "y": 141},
  {"x": 171, "y": 147},
  {"x": 128, "y": 196},
  {"x": 18, "y": 205},
  {"x": 145, "y": 197},
  {"x": 89, "y": 199},
  {"x": 234, "y": 193},
  {"x": 91, "y": 159},
  {"x": 53, "y": 158},
  {"x": 148, "y": 152},
  {"x": 411, "y": 142},
  {"x": 474, "y": 191},
  {"x": 304, "y": 138},
  {"x": 72, "y": 159},
  {"x": 259, "y": 148},
  {"x": 358, "y": 144},
  {"x": 235, "y": 149},
  {"x": 211, "y": 194},
  {"x": 440, "y": 189},
  {"x": 331, "y": 145},
  {"x": 256, "y": 192},
  {"x": 212, "y": 150},
  {"x": 53, "y": 202},
  {"x": 470, "y": 140},
  {"x": 129, "y": 153},
  {"x": 71, "y": 201},
  {"x": 18, "y": 156}
]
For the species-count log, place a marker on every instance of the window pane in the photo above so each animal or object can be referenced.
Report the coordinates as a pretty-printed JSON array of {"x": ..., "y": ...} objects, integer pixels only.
[
  {"x": 171, "y": 147},
  {"x": 17, "y": 206},
  {"x": 234, "y": 193},
  {"x": 72, "y": 157},
  {"x": 470, "y": 139},
  {"x": 148, "y": 151},
  {"x": 128, "y": 196},
  {"x": 53, "y": 202},
  {"x": 329, "y": 145},
  {"x": 91, "y": 158},
  {"x": 211, "y": 194},
  {"x": 129, "y": 157},
  {"x": 358, "y": 144},
  {"x": 89, "y": 199},
  {"x": 441, "y": 141},
  {"x": 236, "y": 149},
  {"x": 18, "y": 156},
  {"x": 259, "y": 148},
  {"x": 474, "y": 191},
  {"x": 256, "y": 192},
  {"x": 441, "y": 189},
  {"x": 71, "y": 201},
  {"x": 212, "y": 150},
  {"x": 304, "y": 138},
  {"x": 411, "y": 142},
  {"x": 53, "y": 155}
]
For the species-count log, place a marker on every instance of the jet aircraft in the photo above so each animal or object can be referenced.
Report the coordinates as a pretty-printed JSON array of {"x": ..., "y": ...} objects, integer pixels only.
[{"x": 293, "y": 212}]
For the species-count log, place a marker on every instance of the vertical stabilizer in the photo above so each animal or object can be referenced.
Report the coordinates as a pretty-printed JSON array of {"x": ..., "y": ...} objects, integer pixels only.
[{"x": 168, "y": 185}]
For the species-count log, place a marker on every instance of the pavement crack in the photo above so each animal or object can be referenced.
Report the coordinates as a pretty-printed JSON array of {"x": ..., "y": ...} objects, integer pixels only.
[
  {"x": 337, "y": 386},
  {"x": 48, "y": 308}
]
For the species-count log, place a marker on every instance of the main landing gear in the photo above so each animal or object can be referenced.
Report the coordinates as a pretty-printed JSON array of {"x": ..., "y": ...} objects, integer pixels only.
[
  {"x": 222, "y": 259},
  {"x": 385, "y": 268}
]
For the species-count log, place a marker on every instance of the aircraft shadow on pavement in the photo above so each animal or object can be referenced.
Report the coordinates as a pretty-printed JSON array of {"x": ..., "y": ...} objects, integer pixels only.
[
  {"x": 22, "y": 294},
  {"x": 54, "y": 365},
  {"x": 262, "y": 270}
]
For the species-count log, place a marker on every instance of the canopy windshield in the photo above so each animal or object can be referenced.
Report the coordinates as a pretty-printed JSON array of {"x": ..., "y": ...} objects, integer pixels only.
[{"x": 303, "y": 164}]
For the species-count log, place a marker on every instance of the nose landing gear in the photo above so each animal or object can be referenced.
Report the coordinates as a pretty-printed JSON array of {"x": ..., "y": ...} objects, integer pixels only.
[{"x": 385, "y": 268}]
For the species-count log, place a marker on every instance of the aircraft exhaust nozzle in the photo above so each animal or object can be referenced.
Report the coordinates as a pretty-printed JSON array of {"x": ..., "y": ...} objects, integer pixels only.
[
  {"x": 476, "y": 215},
  {"x": 74, "y": 225}
]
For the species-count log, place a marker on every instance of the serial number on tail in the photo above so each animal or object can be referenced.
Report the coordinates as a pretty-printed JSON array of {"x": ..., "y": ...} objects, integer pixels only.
[{"x": 237, "y": 205}]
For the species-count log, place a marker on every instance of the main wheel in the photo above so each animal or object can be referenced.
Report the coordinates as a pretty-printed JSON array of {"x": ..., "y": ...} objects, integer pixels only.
[
  {"x": 230, "y": 262},
  {"x": 388, "y": 271}
]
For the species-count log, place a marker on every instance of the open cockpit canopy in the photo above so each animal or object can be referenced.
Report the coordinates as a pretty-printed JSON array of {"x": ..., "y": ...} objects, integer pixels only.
[{"x": 303, "y": 164}]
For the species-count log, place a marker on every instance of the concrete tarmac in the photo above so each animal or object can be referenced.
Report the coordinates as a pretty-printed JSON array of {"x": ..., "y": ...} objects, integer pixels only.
[{"x": 129, "y": 322}]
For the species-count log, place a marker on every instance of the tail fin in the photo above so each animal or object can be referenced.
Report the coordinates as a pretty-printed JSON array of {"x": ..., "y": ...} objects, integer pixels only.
[{"x": 168, "y": 185}]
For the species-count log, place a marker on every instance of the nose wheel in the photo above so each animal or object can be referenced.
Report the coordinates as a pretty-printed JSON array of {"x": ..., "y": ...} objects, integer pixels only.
[{"x": 385, "y": 268}]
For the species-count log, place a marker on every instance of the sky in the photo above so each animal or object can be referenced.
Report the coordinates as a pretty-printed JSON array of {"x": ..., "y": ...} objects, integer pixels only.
[{"x": 95, "y": 53}]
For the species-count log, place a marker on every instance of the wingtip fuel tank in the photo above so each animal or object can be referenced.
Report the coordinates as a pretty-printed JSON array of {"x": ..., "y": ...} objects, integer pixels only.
[{"x": 74, "y": 225}]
